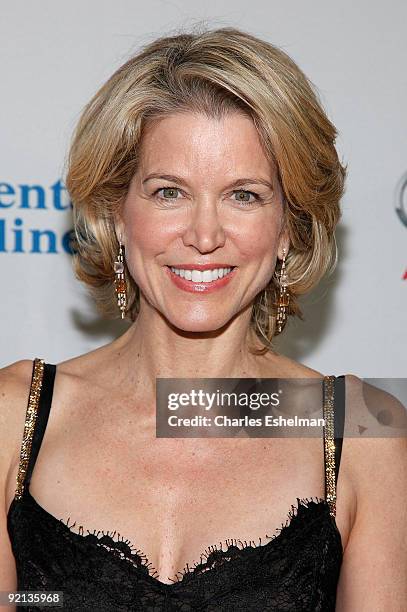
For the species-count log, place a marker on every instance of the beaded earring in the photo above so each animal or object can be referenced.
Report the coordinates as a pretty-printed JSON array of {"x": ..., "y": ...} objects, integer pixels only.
[
  {"x": 284, "y": 297},
  {"x": 120, "y": 282}
]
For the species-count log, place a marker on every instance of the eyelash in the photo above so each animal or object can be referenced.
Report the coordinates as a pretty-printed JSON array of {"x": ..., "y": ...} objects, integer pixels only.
[{"x": 253, "y": 193}]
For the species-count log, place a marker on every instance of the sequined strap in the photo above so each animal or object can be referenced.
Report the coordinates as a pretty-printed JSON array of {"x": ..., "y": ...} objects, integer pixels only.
[
  {"x": 29, "y": 425},
  {"x": 329, "y": 442}
]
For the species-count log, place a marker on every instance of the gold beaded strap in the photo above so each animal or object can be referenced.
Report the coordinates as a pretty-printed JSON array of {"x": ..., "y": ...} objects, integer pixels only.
[
  {"x": 29, "y": 425},
  {"x": 329, "y": 443}
]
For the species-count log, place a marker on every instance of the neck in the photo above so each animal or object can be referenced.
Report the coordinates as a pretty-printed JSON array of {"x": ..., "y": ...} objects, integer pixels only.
[{"x": 152, "y": 347}]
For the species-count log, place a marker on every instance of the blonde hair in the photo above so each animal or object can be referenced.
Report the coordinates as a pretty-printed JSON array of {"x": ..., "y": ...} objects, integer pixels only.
[{"x": 212, "y": 72}]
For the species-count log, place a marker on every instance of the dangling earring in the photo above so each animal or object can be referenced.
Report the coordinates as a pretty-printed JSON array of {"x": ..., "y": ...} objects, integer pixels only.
[
  {"x": 284, "y": 298},
  {"x": 120, "y": 283}
]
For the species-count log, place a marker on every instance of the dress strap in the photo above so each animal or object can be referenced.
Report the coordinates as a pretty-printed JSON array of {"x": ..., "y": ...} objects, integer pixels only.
[
  {"x": 36, "y": 419},
  {"x": 334, "y": 415},
  {"x": 339, "y": 420}
]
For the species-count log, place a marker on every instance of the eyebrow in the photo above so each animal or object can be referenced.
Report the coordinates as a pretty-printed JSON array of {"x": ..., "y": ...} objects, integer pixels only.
[{"x": 180, "y": 180}]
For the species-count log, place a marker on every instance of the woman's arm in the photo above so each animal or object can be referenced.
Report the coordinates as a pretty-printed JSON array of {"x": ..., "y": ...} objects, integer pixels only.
[
  {"x": 14, "y": 389},
  {"x": 374, "y": 570}
]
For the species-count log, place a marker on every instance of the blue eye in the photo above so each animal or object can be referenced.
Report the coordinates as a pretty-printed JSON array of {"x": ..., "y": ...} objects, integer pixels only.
[
  {"x": 241, "y": 201},
  {"x": 167, "y": 189}
]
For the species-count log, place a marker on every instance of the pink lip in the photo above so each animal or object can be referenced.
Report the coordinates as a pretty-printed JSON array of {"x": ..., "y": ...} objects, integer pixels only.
[{"x": 193, "y": 287}]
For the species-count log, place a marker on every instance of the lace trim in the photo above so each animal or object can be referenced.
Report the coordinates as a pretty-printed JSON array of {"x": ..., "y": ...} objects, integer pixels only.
[
  {"x": 213, "y": 556},
  {"x": 121, "y": 547}
]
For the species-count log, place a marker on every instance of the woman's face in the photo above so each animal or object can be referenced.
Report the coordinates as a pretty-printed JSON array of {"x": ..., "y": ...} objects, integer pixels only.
[{"x": 205, "y": 196}]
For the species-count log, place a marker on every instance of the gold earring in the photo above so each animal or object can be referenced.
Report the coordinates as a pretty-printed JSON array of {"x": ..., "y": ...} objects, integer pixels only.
[
  {"x": 120, "y": 283},
  {"x": 284, "y": 298}
]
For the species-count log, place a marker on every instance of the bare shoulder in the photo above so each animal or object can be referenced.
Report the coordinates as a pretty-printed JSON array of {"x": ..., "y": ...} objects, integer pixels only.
[
  {"x": 276, "y": 364},
  {"x": 15, "y": 380},
  {"x": 15, "y": 374},
  {"x": 373, "y": 412},
  {"x": 81, "y": 381},
  {"x": 88, "y": 366},
  {"x": 374, "y": 451}
]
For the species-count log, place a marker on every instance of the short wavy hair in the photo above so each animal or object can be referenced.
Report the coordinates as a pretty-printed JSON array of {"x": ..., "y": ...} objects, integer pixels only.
[{"x": 212, "y": 72}]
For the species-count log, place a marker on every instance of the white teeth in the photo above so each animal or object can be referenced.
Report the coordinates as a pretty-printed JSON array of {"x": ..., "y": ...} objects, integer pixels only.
[{"x": 198, "y": 276}]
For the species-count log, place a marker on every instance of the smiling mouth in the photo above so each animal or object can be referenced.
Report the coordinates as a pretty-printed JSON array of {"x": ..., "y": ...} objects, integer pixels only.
[{"x": 202, "y": 276}]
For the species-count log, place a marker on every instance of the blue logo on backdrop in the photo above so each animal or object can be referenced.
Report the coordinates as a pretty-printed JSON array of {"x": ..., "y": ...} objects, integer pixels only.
[{"x": 16, "y": 236}]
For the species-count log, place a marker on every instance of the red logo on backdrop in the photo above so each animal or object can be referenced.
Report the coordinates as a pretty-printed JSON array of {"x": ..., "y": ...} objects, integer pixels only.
[{"x": 401, "y": 205}]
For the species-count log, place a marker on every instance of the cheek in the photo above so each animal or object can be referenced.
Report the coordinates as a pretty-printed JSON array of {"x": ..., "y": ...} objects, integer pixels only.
[
  {"x": 146, "y": 233},
  {"x": 256, "y": 240}
]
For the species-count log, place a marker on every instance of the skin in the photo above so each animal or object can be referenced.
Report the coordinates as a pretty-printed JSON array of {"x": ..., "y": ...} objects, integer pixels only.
[{"x": 172, "y": 497}]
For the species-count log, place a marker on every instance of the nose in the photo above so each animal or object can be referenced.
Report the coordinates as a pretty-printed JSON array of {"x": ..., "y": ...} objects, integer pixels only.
[{"x": 204, "y": 230}]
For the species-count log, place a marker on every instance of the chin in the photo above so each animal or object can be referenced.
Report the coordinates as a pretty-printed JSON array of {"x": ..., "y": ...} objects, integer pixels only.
[{"x": 209, "y": 324}]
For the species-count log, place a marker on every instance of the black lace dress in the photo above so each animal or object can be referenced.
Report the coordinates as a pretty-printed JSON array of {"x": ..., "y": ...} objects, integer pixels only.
[{"x": 296, "y": 569}]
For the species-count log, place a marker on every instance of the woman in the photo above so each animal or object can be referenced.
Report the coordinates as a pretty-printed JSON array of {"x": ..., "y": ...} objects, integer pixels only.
[{"x": 206, "y": 190}]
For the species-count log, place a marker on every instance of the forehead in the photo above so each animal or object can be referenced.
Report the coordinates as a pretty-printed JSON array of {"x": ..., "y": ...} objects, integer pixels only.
[{"x": 191, "y": 142}]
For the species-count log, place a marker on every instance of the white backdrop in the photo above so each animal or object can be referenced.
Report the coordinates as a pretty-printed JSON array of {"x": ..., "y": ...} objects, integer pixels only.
[{"x": 55, "y": 54}]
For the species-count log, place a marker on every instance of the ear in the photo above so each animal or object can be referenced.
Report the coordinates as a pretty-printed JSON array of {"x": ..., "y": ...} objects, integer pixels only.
[
  {"x": 119, "y": 228},
  {"x": 284, "y": 243}
]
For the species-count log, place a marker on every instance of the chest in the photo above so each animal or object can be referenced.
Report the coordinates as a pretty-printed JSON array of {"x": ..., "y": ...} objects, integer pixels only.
[{"x": 174, "y": 497}]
